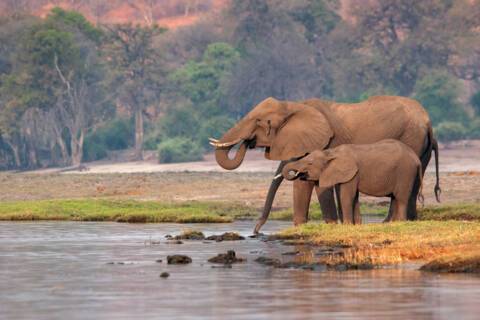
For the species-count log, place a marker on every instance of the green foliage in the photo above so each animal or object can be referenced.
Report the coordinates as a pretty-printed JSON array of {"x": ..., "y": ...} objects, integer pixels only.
[
  {"x": 438, "y": 92},
  {"x": 75, "y": 20},
  {"x": 115, "y": 135},
  {"x": 474, "y": 129},
  {"x": 475, "y": 101},
  {"x": 179, "y": 149},
  {"x": 448, "y": 131},
  {"x": 317, "y": 18},
  {"x": 200, "y": 82},
  {"x": 214, "y": 127},
  {"x": 179, "y": 122}
]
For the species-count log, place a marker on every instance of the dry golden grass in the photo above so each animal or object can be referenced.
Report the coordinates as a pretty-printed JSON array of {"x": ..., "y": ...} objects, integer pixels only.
[
  {"x": 458, "y": 262},
  {"x": 393, "y": 243}
]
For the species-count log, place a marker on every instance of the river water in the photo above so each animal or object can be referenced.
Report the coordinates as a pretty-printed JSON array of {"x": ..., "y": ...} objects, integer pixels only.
[{"x": 63, "y": 270}]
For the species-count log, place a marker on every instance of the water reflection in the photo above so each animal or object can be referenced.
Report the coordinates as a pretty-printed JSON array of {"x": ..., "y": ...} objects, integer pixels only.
[{"x": 59, "y": 270}]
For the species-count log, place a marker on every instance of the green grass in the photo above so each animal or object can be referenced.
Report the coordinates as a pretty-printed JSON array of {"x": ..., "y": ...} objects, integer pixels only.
[
  {"x": 460, "y": 211},
  {"x": 123, "y": 211},
  {"x": 315, "y": 213}
]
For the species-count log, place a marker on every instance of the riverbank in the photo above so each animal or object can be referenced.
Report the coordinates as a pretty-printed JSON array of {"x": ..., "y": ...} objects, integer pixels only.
[
  {"x": 380, "y": 245},
  {"x": 136, "y": 211}
]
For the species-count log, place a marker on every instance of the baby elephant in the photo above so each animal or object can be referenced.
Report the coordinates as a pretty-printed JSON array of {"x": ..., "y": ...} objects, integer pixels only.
[{"x": 386, "y": 168}]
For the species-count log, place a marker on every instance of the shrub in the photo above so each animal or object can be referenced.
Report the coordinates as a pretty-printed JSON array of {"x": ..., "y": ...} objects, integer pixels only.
[
  {"x": 450, "y": 131},
  {"x": 179, "y": 149},
  {"x": 114, "y": 135},
  {"x": 474, "y": 129},
  {"x": 475, "y": 101}
]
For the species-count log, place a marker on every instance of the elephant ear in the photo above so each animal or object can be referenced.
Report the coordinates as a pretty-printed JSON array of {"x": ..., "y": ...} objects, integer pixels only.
[
  {"x": 337, "y": 170},
  {"x": 304, "y": 131}
]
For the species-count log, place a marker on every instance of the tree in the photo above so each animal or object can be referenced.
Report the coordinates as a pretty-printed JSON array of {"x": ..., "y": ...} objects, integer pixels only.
[
  {"x": 55, "y": 87},
  {"x": 438, "y": 92},
  {"x": 137, "y": 71}
]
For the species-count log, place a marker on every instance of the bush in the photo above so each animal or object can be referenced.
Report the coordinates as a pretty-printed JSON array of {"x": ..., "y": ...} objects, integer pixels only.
[
  {"x": 475, "y": 101},
  {"x": 474, "y": 129},
  {"x": 114, "y": 135},
  {"x": 450, "y": 131},
  {"x": 179, "y": 149}
]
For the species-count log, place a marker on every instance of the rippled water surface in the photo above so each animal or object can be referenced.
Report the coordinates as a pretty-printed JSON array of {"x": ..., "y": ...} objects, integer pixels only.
[{"x": 61, "y": 270}]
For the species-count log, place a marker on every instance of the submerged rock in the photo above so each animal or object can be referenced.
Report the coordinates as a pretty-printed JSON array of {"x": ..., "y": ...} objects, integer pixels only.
[
  {"x": 291, "y": 253},
  {"x": 268, "y": 261},
  {"x": 174, "y": 242},
  {"x": 227, "y": 236},
  {"x": 226, "y": 258},
  {"x": 164, "y": 275},
  {"x": 178, "y": 259}
]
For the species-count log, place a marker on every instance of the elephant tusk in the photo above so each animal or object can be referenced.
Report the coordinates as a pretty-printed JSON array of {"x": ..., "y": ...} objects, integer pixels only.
[
  {"x": 224, "y": 144},
  {"x": 277, "y": 176},
  {"x": 293, "y": 175},
  {"x": 213, "y": 140}
]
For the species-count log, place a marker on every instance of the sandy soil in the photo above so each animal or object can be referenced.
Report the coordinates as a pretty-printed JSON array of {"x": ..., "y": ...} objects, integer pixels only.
[{"x": 205, "y": 181}]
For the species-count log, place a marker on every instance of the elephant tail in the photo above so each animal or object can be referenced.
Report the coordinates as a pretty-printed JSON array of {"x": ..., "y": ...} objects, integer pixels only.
[
  {"x": 437, "y": 189},
  {"x": 420, "y": 190},
  {"x": 277, "y": 180}
]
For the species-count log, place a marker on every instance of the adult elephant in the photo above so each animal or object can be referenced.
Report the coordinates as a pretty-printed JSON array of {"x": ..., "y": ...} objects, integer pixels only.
[{"x": 289, "y": 130}]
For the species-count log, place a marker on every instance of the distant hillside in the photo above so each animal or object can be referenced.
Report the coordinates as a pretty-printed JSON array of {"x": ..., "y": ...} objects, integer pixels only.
[{"x": 169, "y": 13}]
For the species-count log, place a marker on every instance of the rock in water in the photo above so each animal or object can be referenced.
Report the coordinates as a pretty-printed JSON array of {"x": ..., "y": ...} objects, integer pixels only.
[
  {"x": 191, "y": 235},
  {"x": 227, "y": 236},
  {"x": 178, "y": 259},
  {"x": 164, "y": 275},
  {"x": 226, "y": 258},
  {"x": 268, "y": 261}
]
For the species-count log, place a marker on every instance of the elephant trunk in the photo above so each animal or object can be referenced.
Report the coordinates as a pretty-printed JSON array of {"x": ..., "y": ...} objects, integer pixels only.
[
  {"x": 221, "y": 156},
  {"x": 289, "y": 172},
  {"x": 238, "y": 134},
  {"x": 277, "y": 180}
]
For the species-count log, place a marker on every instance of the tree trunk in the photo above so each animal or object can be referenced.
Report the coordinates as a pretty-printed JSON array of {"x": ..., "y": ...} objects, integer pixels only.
[
  {"x": 63, "y": 149},
  {"x": 32, "y": 157},
  {"x": 138, "y": 134},
  {"x": 77, "y": 149},
  {"x": 16, "y": 154}
]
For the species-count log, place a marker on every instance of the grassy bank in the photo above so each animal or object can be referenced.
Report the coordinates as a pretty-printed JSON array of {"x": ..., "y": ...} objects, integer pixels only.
[
  {"x": 459, "y": 211},
  {"x": 123, "y": 211},
  {"x": 91, "y": 209},
  {"x": 386, "y": 244}
]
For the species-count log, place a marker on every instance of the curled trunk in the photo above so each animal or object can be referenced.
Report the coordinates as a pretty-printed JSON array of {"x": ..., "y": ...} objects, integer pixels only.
[{"x": 221, "y": 156}]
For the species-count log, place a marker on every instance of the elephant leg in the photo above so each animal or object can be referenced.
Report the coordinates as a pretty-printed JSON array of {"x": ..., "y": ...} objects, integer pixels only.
[
  {"x": 357, "y": 218},
  {"x": 347, "y": 199},
  {"x": 388, "y": 218},
  {"x": 412, "y": 201},
  {"x": 400, "y": 211},
  {"x": 327, "y": 204},
  {"x": 339, "y": 204},
  {"x": 302, "y": 193}
]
